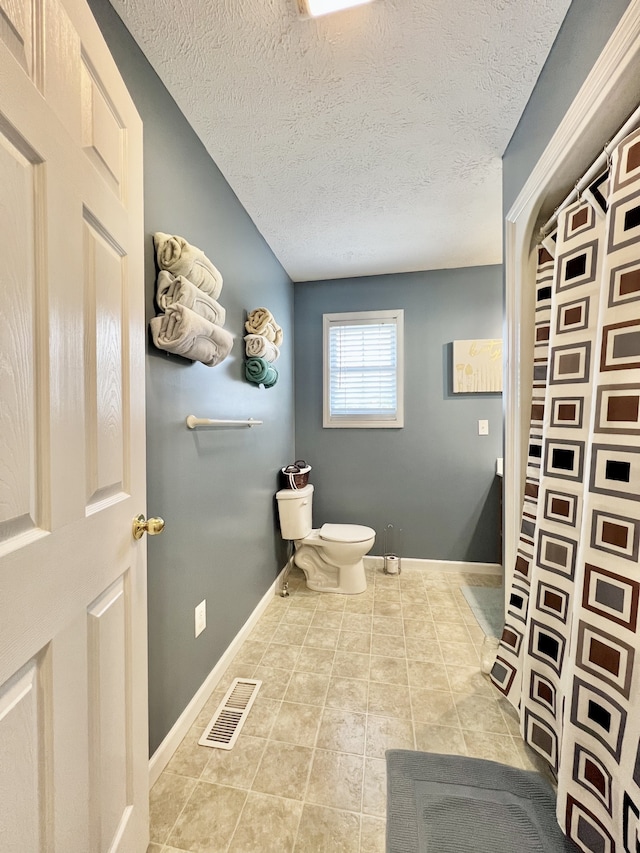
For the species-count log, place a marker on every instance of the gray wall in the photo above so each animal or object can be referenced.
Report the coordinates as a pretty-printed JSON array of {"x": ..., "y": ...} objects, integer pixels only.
[
  {"x": 214, "y": 489},
  {"x": 436, "y": 477},
  {"x": 582, "y": 37}
]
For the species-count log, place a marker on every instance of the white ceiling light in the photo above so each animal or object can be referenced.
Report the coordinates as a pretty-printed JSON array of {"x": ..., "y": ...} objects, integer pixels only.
[{"x": 315, "y": 8}]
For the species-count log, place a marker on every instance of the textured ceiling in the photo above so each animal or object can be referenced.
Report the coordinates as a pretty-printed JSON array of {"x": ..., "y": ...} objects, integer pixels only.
[{"x": 363, "y": 142}]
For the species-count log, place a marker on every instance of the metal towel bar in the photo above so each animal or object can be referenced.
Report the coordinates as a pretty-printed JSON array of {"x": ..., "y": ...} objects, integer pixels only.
[{"x": 193, "y": 422}]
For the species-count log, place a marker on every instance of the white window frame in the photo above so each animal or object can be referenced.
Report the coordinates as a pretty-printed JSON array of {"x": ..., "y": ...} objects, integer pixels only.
[{"x": 364, "y": 421}]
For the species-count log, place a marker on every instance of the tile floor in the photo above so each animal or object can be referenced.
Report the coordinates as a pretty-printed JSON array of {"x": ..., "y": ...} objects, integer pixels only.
[{"x": 343, "y": 679}]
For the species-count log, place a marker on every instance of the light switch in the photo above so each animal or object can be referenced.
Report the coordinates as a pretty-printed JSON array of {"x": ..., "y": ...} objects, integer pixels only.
[{"x": 483, "y": 427}]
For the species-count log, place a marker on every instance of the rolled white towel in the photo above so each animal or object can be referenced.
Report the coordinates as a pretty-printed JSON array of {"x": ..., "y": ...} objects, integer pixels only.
[
  {"x": 257, "y": 346},
  {"x": 181, "y": 258},
  {"x": 261, "y": 322},
  {"x": 173, "y": 290},
  {"x": 183, "y": 332}
]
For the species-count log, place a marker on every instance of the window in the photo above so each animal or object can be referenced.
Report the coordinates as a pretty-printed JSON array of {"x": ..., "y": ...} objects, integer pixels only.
[{"x": 363, "y": 369}]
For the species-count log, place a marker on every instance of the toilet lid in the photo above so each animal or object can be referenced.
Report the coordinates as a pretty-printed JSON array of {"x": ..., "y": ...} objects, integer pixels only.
[{"x": 346, "y": 532}]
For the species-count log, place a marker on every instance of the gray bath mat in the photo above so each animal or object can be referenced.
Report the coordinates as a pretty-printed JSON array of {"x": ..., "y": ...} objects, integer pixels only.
[
  {"x": 453, "y": 804},
  {"x": 487, "y": 604}
]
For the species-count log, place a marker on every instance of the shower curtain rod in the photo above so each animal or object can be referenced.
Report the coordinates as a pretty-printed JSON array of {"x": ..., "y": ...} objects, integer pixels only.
[{"x": 628, "y": 127}]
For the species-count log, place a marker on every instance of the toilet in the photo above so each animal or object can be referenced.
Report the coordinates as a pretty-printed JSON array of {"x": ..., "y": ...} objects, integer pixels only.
[{"x": 330, "y": 556}]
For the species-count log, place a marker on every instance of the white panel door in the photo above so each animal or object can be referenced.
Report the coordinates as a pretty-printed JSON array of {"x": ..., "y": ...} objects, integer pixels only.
[{"x": 73, "y": 675}]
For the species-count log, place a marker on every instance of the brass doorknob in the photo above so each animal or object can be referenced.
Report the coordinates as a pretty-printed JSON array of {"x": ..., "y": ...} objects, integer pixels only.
[{"x": 152, "y": 526}]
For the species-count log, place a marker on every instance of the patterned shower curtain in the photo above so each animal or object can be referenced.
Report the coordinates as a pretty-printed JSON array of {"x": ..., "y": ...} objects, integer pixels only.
[{"x": 569, "y": 656}]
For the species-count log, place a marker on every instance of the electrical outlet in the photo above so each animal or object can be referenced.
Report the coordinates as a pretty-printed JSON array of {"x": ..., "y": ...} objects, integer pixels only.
[
  {"x": 201, "y": 617},
  {"x": 483, "y": 427}
]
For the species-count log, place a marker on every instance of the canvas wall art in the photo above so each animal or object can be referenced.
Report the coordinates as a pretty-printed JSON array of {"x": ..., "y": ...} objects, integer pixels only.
[{"x": 477, "y": 366}]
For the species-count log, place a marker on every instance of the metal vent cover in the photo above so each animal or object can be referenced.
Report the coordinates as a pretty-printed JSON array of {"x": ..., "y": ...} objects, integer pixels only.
[{"x": 225, "y": 725}]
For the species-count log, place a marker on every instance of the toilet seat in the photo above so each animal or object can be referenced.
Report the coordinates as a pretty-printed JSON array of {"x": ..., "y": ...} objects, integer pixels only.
[{"x": 346, "y": 533}]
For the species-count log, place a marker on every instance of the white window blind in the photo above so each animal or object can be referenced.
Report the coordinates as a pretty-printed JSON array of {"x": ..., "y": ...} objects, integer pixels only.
[{"x": 362, "y": 369}]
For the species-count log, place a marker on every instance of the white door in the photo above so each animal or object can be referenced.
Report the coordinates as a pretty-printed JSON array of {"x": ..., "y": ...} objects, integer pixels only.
[{"x": 73, "y": 678}]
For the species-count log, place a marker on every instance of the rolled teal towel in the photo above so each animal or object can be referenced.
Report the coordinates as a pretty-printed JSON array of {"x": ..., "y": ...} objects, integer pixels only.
[{"x": 260, "y": 372}]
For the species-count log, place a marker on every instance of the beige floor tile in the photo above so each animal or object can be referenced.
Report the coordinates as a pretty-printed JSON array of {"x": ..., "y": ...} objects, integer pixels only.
[
  {"x": 459, "y": 653},
  {"x": 385, "y": 733},
  {"x": 389, "y": 700},
  {"x": 327, "y": 619},
  {"x": 342, "y": 731},
  {"x": 469, "y": 679},
  {"x": 263, "y": 632},
  {"x": 388, "y": 670},
  {"x": 290, "y": 634},
  {"x": 447, "y": 740},
  {"x": 280, "y": 655},
  {"x": 388, "y": 645},
  {"x": 322, "y": 638},
  {"x": 309, "y": 688},
  {"x": 319, "y": 661},
  {"x": 374, "y": 795},
  {"x": 208, "y": 820},
  {"x": 480, "y": 714},
  {"x": 332, "y": 601},
  {"x": 298, "y": 616},
  {"x": 168, "y": 797},
  {"x": 356, "y": 622},
  {"x": 413, "y": 595},
  {"x": 372, "y": 834},
  {"x": 452, "y": 632},
  {"x": 421, "y": 648},
  {"x": 267, "y": 824},
  {"x": 348, "y": 694},
  {"x": 476, "y": 633},
  {"x": 303, "y": 599},
  {"x": 210, "y": 707},
  {"x": 351, "y": 665},
  {"x": 237, "y": 670},
  {"x": 237, "y": 766},
  {"x": 424, "y": 628},
  {"x": 275, "y": 610},
  {"x": 319, "y": 722},
  {"x": 190, "y": 758},
  {"x": 434, "y": 706},
  {"x": 492, "y": 746},
  {"x": 382, "y": 607},
  {"x": 427, "y": 675},
  {"x": 324, "y": 830},
  {"x": 297, "y": 723},
  {"x": 417, "y": 611},
  {"x": 251, "y": 652},
  {"x": 336, "y": 780},
  {"x": 390, "y": 593},
  {"x": 261, "y": 716},
  {"x": 388, "y": 625},
  {"x": 511, "y": 716},
  {"x": 436, "y": 580},
  {"x": 354, "y": 641},
  {"x": 274, "y": 681},
  {"x": 283, "y": 770},
  {"x": 357, "y": 604}
]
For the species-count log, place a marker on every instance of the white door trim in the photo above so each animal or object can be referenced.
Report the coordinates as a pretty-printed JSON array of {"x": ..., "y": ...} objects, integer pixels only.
[{"x": 607, "y": 97}]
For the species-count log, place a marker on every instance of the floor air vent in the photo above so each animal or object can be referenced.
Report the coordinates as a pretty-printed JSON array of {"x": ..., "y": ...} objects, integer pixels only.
[{"x": 224, "y": 728}]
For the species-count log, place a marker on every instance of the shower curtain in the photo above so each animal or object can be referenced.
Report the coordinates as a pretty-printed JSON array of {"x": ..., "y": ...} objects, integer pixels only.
[{"x": 569, "y": 654}]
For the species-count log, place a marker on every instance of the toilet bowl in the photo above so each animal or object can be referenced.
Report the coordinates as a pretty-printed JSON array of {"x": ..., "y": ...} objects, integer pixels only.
[{"x": 331, "y": 556}]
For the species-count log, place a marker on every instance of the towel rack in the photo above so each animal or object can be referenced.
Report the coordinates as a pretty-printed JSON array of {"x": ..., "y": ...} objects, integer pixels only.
[{"x": 193, "y": 422}]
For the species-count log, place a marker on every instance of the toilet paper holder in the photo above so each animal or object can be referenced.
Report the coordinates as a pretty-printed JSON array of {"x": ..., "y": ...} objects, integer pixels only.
[{"x": 392, "y": 547}]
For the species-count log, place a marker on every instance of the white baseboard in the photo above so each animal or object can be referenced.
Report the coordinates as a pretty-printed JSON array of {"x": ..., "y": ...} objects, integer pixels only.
[
  {"x": 163, "y": 753},
  {"x": 414, "y": 563}
]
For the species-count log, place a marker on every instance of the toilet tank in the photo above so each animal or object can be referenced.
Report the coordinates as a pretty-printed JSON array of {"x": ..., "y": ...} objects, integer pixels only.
[{"x": 294, "y": 509}]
